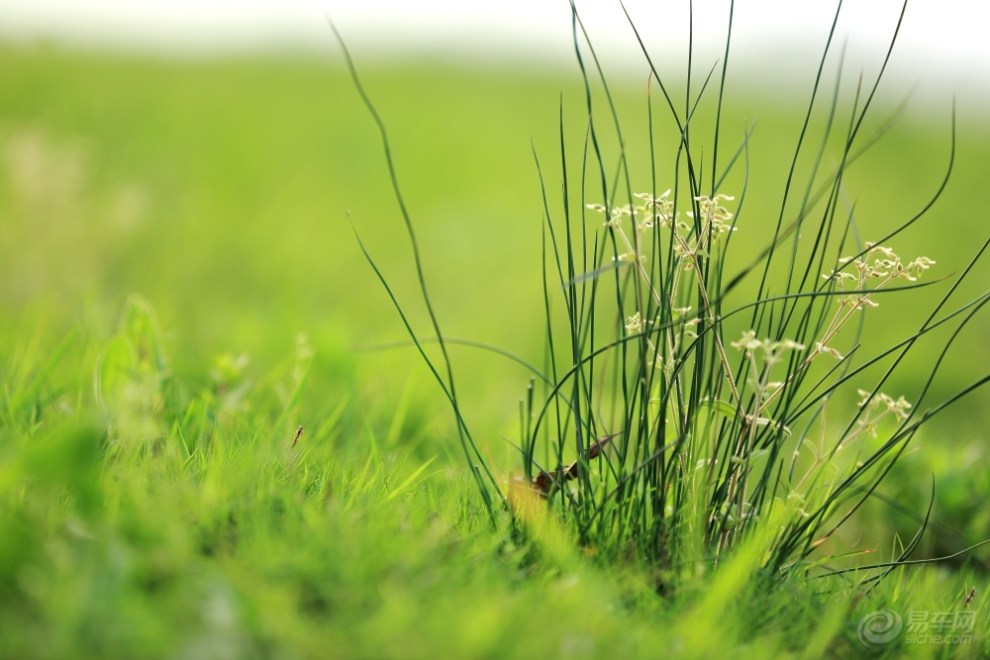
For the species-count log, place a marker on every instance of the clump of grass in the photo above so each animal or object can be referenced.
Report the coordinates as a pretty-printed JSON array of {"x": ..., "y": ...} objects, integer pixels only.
[{"x": 690, "y": 408}]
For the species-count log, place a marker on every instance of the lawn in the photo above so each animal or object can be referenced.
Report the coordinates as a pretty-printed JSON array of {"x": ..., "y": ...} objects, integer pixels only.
[{"x": 182, "y": 291}]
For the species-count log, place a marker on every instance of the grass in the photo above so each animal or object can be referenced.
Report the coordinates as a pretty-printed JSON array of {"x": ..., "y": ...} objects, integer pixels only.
[{"x": 152, "y": 497}]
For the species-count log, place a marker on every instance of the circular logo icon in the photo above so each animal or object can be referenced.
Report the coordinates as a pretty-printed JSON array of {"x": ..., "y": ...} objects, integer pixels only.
[{"x": 880, "y": 627}]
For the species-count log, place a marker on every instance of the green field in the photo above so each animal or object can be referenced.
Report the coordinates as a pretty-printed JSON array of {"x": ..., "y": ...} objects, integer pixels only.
[{"x": 182, "y": 289}]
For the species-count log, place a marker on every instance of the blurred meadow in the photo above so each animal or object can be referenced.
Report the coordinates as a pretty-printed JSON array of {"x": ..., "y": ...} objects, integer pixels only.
[{"x": 178, "y": 263}]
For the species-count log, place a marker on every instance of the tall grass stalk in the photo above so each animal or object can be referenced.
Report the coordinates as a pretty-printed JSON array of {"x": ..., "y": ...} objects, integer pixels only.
[{"x": 691, "y": 397}]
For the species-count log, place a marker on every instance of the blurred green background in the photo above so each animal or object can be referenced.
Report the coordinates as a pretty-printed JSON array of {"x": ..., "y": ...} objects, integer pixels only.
[{"x": 226, "y": 192}]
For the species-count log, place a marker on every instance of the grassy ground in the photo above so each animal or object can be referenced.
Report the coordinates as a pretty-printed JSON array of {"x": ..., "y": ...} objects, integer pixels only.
[{"x": 182, "y": 290}]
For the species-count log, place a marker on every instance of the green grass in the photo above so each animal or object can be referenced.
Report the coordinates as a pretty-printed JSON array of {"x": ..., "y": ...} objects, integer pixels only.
[{"x": 151, "y": 500}]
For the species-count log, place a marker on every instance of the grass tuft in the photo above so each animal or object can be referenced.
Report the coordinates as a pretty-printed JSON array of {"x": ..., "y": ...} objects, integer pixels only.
[{"x": 692, "y": 407}]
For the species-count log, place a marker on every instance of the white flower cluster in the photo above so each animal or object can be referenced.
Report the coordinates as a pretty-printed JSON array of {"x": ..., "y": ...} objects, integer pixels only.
[
  {"x": 652, "y": 211},
  {"x": 876, "y": 407},
  {"x": 770, "y": 349},
  {"x": 878, "y": 263}
]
